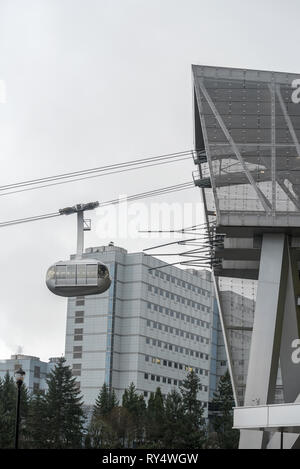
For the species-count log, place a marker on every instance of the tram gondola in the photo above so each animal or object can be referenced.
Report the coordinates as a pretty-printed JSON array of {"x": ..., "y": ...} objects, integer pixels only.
[{"x": 80, "y": 276}]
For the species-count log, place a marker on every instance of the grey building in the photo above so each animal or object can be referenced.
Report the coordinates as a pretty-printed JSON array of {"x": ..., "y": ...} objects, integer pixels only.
[
  {"x": 36, "y": 371},
  {"x": 238, "y": 316},
  {"x": 149, "y": 328}
]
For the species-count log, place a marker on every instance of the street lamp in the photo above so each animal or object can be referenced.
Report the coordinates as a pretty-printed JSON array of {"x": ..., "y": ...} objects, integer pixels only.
[{"x": 19, "y": 375}]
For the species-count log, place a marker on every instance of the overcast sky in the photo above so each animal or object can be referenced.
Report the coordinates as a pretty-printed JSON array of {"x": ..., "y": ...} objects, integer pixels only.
[{"x": 94, "y": 82}]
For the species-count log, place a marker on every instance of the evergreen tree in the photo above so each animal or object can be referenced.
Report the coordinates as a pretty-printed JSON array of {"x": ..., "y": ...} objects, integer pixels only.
[
  {"x": 222, "y": 420},
  {"x": 155, "y": 419},
  {"x": 8, "y": 402},
  {"x": 173, "y": 437},
  {"x": 7, "y": 412},
  {"x": 65, "y": 416},
  {"x": 136, "y": 406},
  {"x": 37, "y": 431},
  {"x": 105, "y": 401},
  {"x": 193, "y": 425},
  {"x": 100, "y": 431}
]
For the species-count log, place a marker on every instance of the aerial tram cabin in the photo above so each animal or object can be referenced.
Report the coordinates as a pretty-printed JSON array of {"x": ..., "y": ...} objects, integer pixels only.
[{"x": 79, "y": 276}]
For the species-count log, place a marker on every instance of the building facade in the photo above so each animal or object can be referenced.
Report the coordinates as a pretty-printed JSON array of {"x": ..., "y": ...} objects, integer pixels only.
[
  {"x": 150, "y": 328},
  {"x": 36, "y": 371}
]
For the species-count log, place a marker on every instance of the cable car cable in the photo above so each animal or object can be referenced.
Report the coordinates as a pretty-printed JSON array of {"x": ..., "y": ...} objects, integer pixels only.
[
  {"x": 139, "y": 163},
  {"x": 153, "y": 193},
  {"x": 87, "y": 177}
]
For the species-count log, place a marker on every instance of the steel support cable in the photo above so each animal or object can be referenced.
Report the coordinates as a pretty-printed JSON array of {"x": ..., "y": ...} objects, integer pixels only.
[
  {"x": 149, "y": 194},
  {"x": 88, "y": 177},
  {"x": 142, "y": 195},
  {"x": 169, "y": 156},
  {"x": 182, "y": 230}
]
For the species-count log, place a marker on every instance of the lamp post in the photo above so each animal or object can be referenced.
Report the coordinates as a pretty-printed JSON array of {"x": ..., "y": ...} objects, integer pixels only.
[{"x": 19, "y": 375}]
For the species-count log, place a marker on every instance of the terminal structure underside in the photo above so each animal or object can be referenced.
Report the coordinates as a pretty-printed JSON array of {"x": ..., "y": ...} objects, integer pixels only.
[{"x": 247, "y": 133}]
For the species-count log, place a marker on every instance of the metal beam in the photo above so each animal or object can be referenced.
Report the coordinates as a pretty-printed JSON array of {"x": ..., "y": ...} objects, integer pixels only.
[
  {"x": 225, "y": 338},
  {"x": 267, "y": 327}
]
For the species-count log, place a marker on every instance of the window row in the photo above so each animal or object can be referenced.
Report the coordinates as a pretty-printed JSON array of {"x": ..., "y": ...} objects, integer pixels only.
[
  {"x": 178, "y": 298},
  {"x": 178, "y": 332},
  {"x": 176, "y": 348},
  {"x": 163, "y": 379},
  {"x": 176, "y": 365},
  {"x": 177, "y": 315},
  {"x": 179, "y": 282}
]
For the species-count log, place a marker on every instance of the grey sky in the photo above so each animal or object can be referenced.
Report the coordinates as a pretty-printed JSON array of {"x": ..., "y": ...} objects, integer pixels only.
[{"x": 93, "y": 82}]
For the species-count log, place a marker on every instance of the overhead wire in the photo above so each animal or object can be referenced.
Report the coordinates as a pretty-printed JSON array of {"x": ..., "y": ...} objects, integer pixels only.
[
  {"x": 142, "y": 195},
  {"x": 33, "y": 184}
]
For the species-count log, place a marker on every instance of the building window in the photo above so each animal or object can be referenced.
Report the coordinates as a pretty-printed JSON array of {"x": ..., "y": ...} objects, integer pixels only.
[
  {"x": 36, "y": 387},
  {"x": 146, "y": 376},
  {"x": 37, "y": 372},
  {"x": 77, "y": 355},
  {"x": 79, "y": 302},
  {"x": 78, "y": 337},
  {"x": 79, "y": 320},
  {"x": 76, "y": 371}
]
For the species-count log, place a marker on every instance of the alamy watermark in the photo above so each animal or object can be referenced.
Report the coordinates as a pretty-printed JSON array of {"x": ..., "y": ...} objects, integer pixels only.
[
  {"x": 296, "y": 92},
  {"x": 126, "y": 220}
]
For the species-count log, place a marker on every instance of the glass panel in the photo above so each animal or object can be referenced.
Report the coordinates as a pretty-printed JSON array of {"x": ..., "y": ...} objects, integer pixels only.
[
  {"x": 60, "y": 274},
  {"x": 71, "y": 274},
  {"x": 81, "y": 274},
  {"x": 252, "y": 129},
  {"x": 71, "y": 271},
  {"x": 60, "y": 271},
  {"x": 91, "y": 273}
]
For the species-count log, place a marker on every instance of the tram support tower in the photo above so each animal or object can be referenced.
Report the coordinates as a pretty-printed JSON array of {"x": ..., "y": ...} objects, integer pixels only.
[
  {"x": 247, "y": 134},
  {"x": 78, "y": 276}
]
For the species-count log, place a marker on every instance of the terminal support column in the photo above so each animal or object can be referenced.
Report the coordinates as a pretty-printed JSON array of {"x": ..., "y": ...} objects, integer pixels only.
[{"x": 267, "y": 329}]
